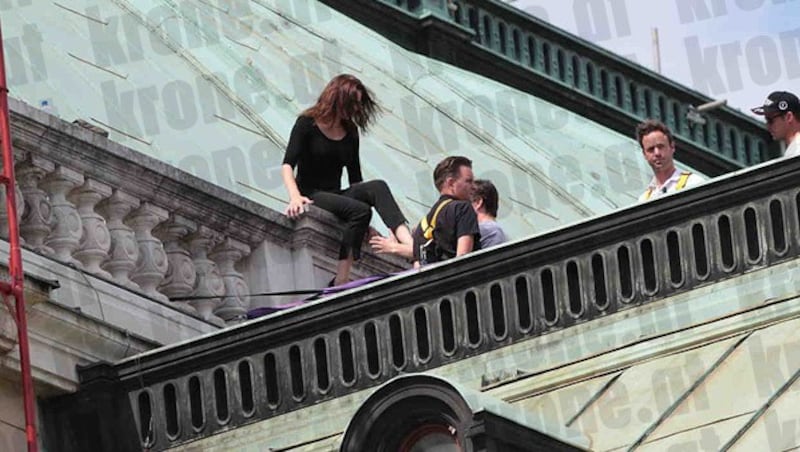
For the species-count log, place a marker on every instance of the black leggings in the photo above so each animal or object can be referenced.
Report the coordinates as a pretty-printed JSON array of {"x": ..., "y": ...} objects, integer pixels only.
[{"x": 354, "y": 207}]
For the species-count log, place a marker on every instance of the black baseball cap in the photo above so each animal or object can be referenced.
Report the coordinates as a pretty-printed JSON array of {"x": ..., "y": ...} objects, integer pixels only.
[{"x": 778, "y": 102}]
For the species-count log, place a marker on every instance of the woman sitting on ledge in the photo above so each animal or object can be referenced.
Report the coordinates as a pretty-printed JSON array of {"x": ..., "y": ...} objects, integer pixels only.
[{"x": 325, "y": 140}]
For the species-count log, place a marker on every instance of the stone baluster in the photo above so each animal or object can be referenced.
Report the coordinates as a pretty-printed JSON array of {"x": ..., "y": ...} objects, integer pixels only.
[
  {"x": 209, "y": 287},
  {"x": 65, "y": 237},
  {"x": 20, "y": 201},
  {"x": 36, "y": 223},
  {"x": 124, "y": 250},
  {"x": 152, "y": 263},
  {"x": 96, "y": 239},
  {"x": 237, "y": 300},
  {"x": 180, "y": 278}
]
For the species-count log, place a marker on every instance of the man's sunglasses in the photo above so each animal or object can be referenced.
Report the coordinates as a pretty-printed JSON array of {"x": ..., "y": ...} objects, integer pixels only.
[{"x": 770, "y": 119}]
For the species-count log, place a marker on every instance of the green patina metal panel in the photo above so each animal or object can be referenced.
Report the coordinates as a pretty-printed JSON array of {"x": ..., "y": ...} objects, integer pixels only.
[{"x": 214, "y": 90}]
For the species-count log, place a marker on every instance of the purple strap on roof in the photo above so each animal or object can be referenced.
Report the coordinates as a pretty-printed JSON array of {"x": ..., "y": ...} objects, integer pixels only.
[
  {"x": 353, "y": 284},
  {"x": 266, "y": 310}
]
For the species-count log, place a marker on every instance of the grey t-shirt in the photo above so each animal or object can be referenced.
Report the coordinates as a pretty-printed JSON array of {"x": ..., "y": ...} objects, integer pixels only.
[{"x": 491, "y": 234}]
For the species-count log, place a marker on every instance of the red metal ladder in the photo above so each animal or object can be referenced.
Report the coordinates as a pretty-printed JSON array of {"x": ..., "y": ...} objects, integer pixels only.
[{"x": 14, "y": 287}]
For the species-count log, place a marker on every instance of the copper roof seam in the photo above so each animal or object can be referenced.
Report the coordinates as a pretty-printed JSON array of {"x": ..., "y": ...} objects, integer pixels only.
[
  {"x": 196, "y": 65},
  {"x": 262, "y": 192},
  {"x": 699, "y": 426},
  {"x": 86, "y": 16},
  {"x": 783, "y": 389},
  {"x": 121, "y": 132},
  {"x": 295, "y": 22},
  {"x": 534, "y": 208},
  {"x": 407, "y": 154},
  {"x": 679, "y": 401},
  {"x": 489, "y": 141},
  {"x": 594, "y": 398},
  {"x": 96, "y": 66},
  {"x": 501, "y": 148},
  {"x": 670, "y": 351}
]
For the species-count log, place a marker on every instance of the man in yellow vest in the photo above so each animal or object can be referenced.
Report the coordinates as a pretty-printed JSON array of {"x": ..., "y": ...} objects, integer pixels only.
[{"x": 658, "y": 147}]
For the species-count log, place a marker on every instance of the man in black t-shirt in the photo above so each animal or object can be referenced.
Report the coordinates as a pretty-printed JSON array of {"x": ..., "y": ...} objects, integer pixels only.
[{"x": 455, "y": 231}]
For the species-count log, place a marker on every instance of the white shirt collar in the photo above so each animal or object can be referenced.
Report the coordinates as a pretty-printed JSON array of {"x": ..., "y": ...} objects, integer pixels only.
[{"x": 653, "y": 186}]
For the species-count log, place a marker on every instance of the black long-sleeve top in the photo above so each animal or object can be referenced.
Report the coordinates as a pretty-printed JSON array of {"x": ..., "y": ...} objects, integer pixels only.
[{"x": 319, "y": 159}]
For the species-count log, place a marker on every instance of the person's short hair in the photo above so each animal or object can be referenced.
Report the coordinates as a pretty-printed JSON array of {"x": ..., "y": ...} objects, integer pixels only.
[
  {"x": 449, "y": 167},
  {"x": 485, "y": 190},
  {"x": 653, "y": 125}
]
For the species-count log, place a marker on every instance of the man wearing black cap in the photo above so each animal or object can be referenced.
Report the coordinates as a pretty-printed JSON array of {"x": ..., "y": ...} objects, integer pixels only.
[{"x": 782, "y": 113}]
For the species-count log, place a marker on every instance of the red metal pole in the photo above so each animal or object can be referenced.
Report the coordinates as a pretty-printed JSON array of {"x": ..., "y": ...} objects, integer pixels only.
[{"x": 15, "y": 258}]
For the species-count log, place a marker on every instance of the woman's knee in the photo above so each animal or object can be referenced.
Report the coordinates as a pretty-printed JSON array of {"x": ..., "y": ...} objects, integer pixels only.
[
  {"x": 377, "y": 185},
  {"x": 362, "y": 215}
]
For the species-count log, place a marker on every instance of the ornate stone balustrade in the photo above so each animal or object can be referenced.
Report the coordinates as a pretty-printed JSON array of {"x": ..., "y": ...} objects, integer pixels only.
[
  {"x": 163, "y": 234},
  {"x": 108, "y": 232}
]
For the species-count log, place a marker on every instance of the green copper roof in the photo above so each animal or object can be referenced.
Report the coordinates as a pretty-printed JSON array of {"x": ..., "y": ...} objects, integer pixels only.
[{"x": 215, "y": 91}]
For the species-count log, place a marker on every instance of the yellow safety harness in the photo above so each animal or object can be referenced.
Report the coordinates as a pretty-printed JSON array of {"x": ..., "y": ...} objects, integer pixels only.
[
  {"x": 428, "y": 249},
  {"x": 426, "y": 227},
  {"x": 682, "y": 179}
]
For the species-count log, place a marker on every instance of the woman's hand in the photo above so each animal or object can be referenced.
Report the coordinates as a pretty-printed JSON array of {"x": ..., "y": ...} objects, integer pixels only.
[{"x": 297, "y": 206}]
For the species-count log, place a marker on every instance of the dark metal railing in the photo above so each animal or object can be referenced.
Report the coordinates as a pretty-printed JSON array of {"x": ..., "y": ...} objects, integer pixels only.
[{"x": 483, "y": 302}]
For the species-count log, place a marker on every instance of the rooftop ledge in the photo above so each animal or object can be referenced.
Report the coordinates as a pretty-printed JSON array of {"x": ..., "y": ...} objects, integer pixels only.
[
  {"x": 462, "y": 308},
  {"x": 164, "y": 234},
  {"x": 121, "y": 235}
]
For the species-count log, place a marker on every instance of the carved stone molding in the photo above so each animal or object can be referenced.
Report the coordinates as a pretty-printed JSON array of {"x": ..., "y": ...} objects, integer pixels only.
[
  {"x": 65, "y": 237},
  {"x": 180, "y": 278},
  {"x": 209, "y": 286},
  {"x": 96, "y": 239},
  {"x": 20, "y": 201},
  {"x": 124, "y": 250},
  {"x": 36, "y": 222},
  {"x": 152, "y": 263},
  {"x": 237, "y": 300},
  {"x": 8, "y": 331}
]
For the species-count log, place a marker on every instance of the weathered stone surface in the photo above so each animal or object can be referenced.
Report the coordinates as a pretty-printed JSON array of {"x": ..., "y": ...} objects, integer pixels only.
[
  {"x": 96, "y": 239},
  {"x": 65, "y": 237}
]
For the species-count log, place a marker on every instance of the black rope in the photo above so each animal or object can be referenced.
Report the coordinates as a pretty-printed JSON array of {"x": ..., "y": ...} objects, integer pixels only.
[{"x": 263, "y": 294}]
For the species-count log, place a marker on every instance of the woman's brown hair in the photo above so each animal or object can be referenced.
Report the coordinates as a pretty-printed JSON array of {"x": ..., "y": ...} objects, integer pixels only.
[{"x": 340, "y": 99}]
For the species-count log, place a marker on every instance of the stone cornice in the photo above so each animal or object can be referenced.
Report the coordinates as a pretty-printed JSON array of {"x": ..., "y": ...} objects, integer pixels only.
[{"x": 35, "y": 290}]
